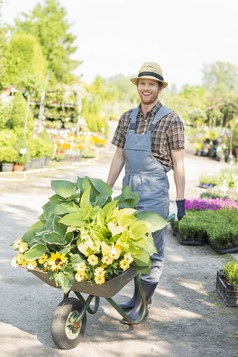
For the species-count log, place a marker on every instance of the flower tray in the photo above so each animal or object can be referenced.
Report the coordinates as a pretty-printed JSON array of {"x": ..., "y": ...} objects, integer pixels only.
[
  {"x": 187, "y": 241},
  {"x": 223, "y": 250},
  {"x": 227, "y": 291},
  {"x": 107, "y": 290}
]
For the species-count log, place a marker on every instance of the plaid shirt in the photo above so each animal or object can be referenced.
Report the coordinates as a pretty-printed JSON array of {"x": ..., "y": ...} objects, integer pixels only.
[{"x": 167, "y": 135}]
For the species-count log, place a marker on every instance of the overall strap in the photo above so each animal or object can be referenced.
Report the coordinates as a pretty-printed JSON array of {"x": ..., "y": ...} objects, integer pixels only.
[
  {"x": 133, "y": 119},
  {"x": 162, "y": 112}
]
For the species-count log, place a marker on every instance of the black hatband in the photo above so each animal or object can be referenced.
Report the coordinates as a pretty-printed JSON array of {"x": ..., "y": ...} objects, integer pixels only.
[{"x": 153, "y": 74}]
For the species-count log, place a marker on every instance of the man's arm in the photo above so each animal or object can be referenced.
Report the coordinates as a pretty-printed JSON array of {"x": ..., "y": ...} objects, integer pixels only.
[
  {"x": 117, "y": 164},
  {"x": 179, "y": 172}
]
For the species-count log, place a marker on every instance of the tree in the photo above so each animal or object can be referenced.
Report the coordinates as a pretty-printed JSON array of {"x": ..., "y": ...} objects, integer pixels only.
[
  {"x": 49, "y": 24},
  {"x": 23, "y": 58},
  {"x": 220, "y": 77},
  {"x": 18, "y": 115},
  {"x": 92, "y": 106}
]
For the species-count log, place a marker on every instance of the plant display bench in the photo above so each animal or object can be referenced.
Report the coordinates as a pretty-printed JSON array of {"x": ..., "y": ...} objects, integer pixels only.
[
  {"x": 69, "y": 318},
  {"x": 227, "y": 291}
]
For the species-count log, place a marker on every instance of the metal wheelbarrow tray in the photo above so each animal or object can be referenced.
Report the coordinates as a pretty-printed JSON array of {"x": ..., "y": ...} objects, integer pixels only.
[{"x": 69, "y": 318}]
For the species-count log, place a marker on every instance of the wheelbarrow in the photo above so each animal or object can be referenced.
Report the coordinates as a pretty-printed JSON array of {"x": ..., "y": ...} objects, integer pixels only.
[{"x": 69, "y": 319}]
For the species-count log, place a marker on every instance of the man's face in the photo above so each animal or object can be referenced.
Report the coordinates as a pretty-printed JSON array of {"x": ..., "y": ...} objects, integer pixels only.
[{"x": 148, "y": 90}]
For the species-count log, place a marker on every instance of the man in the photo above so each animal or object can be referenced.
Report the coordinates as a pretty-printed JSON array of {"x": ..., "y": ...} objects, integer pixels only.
[{"x": 150, "y": 142}]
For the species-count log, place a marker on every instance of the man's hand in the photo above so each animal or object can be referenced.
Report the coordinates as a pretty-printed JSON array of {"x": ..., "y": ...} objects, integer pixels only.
[{"x": 180, "y": 209}]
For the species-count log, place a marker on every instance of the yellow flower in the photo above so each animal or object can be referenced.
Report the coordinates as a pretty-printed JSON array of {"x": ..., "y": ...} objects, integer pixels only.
[
  {"x": 56, "y": 261},
  {"x": 79, "y": 276},
  {"x": 128, "y": 258},
  {"x": 43, "y": 259},
  {"x": 93, "y": 259},
  {"x": 99, "y": 280},
  {"x": 19, "y": 259},
  {"x": 31, "y": 265},
  {"x": 99, "y": 272},
  {"x": 107, "y": 260},
  {"x": 124, "y": 265},
  {"x": 23, "y": 247},
  {"x": 17, "y": 243},
  {"x": 115, "y": 252},
  {"x": 81, "y": 267}
]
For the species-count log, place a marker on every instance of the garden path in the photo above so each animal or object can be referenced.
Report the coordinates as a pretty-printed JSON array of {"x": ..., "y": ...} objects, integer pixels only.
[{"x": 187, "y": 318}]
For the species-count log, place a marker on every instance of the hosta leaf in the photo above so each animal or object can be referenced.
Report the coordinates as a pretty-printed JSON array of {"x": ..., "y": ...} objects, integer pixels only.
[
  {"x": 85, "y": 199},
  {"x": 73, "y": 219},
  {"x": 36, "y": 252},
  {"x": 56, "y": 199},
  {"x": 127, "y": 198},
  {"x": 65, "y": 250},
  {"x": 59, "y": 227},
  {"x": 140, "y": 243},
  {"x": 53, "y": 238},
  {"x": 108, "y": 208},
  {"x": 142, "y": 256},
  {"x": 68, "y": 238},
  {"x": 65, "y": 281},
  {"x": 64, "y": 208},
  {"x": 154, "y": 221},
  {"x": 63, "y": 188},
  {"x": 101, "y": 186},
  {"x": 138, "y": 230},
  {"x": 101, "y": 199},
  {"x": 35, "y": 228},
  {"x": 49, "y": 212},
  {"x": 127, "y": 220},
  {"x": 74, "y": 196}
]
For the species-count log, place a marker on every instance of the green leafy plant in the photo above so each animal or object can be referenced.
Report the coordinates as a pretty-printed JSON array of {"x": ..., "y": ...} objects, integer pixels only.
[
  {"x": 209, "y": 179},
  {"x": 8, "y": 154},
  {"x": 220, "y": 227},
  {"x": 23, "y": 153},
  {"x": 231, "y": 272},
  {"x": 84, "y": 235}
]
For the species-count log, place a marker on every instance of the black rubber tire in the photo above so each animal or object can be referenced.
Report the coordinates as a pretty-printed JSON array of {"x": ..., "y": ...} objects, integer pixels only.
[{"x": 63, "y": 337}]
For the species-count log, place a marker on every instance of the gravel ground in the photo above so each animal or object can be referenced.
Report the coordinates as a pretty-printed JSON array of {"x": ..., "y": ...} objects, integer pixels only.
[{"x": 187, "y": 318}]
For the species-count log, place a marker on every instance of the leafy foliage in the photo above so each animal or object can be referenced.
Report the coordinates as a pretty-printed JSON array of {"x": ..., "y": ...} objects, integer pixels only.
[
  {"x": 23, "y": 58},
  {"x": 81, "y": 226},
  {"x": 231, "y": 272},
  {"x": 18, "y": 114},
  {"x": 48, "y": 23}
]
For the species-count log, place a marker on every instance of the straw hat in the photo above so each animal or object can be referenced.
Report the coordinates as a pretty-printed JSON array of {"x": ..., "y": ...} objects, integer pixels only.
[{"x": 150, "y": 70}]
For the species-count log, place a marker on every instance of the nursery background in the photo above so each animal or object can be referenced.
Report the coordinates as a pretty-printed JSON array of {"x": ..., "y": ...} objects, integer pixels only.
[{"x": 64, "y": 83}]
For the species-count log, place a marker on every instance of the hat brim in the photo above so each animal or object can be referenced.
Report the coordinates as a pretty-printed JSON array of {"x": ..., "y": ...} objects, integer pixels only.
[{"x": 135, "y": 80}]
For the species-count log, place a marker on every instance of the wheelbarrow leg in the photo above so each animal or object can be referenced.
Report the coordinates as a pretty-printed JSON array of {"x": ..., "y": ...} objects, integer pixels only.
[
  {"x": 135, "y": 313},
  {"x": 143, "y": 310}
]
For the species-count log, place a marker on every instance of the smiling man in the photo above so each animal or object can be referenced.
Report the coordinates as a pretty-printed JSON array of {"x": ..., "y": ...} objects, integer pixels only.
[{"x": 150, "y": 142}]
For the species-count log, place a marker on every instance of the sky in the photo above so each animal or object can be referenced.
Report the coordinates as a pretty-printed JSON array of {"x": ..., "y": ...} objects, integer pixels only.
[{"x": 118, "y": 36}]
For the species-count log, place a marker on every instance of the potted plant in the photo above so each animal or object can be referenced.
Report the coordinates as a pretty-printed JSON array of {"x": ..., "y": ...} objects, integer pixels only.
[
  {"x": 227, "y": 283},
  {"x": 208, "y": 181},
  {"x": 8, "y": 156},
  {"x": 23, "y": 154},
  {"x": 85, "y": 236}
]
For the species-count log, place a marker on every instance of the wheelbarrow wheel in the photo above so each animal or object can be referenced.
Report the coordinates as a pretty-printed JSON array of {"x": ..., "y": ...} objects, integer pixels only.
[{"x": 66, "y": 331}]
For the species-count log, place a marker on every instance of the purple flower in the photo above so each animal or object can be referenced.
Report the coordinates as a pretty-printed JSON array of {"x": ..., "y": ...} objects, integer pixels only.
[{"x": 199, "y": 204}]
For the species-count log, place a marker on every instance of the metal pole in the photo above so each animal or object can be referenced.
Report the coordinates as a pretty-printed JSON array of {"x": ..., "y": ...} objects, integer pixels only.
[{"x": 42, "y": 108}]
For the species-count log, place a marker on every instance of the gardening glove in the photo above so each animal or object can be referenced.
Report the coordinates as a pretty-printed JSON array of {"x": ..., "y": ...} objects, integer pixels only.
[
  {"x": 180, "y": 208},
  {"x": 173, "y": 213}
]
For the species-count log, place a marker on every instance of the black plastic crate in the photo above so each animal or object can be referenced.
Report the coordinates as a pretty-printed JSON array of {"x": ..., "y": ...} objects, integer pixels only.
[{"x": 227, "y": 291}]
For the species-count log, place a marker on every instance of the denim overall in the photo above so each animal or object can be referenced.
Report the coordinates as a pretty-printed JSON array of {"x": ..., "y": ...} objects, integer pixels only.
[{"x": 145, "y": 175}]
